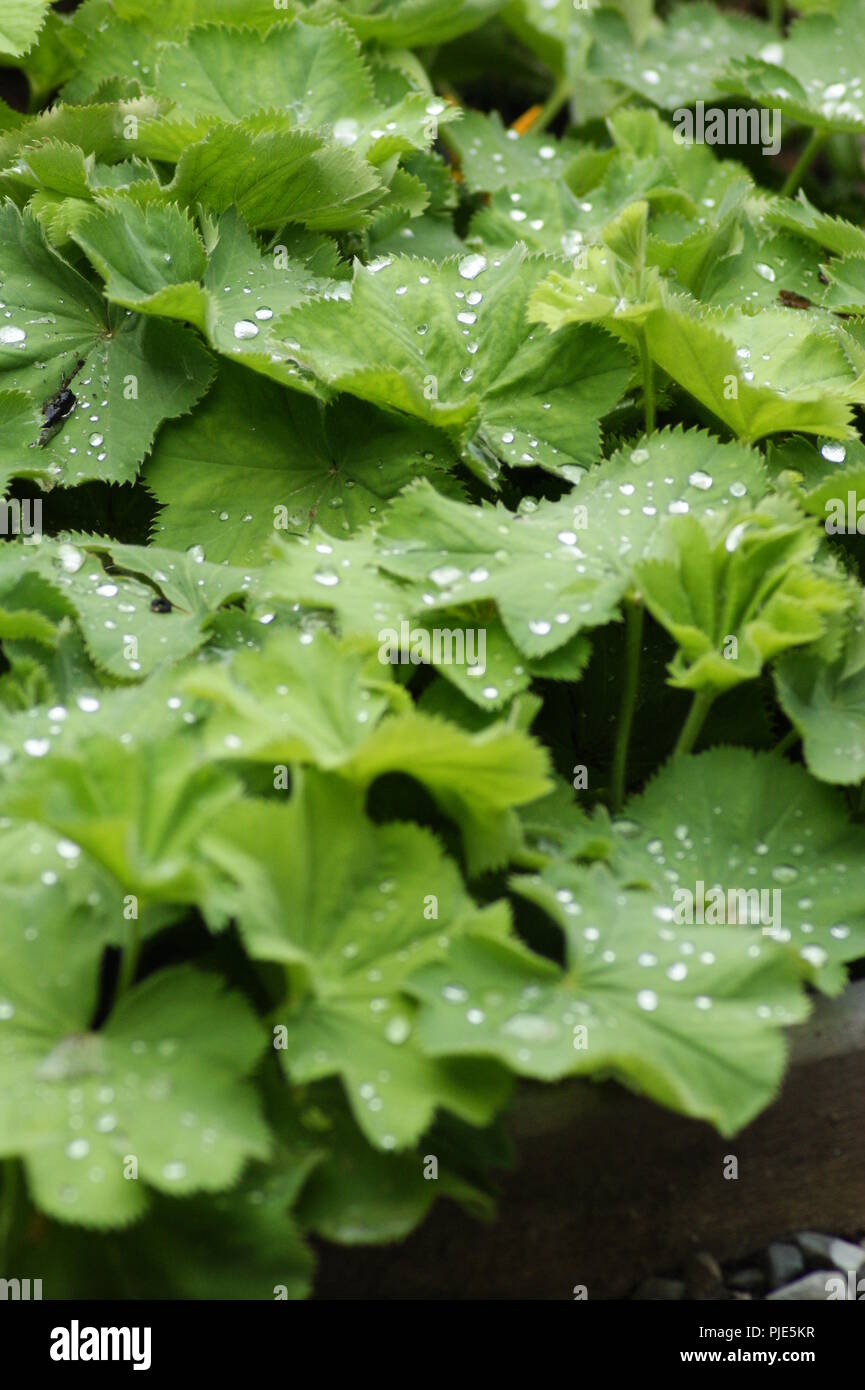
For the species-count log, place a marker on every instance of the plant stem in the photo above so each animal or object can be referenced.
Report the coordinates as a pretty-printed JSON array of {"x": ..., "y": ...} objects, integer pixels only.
[
  {"x": 648, "y": 383},
  {"x": 129, "y": 961},
  {"x": 633, "y": 647},
  {"x": 700, "y": 706},
  {"x": 8, "y": 1204},
  {"x": 790, "y": 739},
  {"x": 553, "y": 105},
  {"x": 776, "y": 15},
  {"x": 295, "y": 985},
  {"x": 803, "y": 163}
]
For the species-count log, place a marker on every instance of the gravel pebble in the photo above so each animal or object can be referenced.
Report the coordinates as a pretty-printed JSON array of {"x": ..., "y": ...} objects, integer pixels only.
[
  {"x": 747, "y": 1281},
  {"x": 830, "y": 1250},
  {"x": 703, "y": 1277},
  {"x": 784, "y": 1262},
  {"x": 791, "y": 1268},
  {"x": 811, "y": 1288}
]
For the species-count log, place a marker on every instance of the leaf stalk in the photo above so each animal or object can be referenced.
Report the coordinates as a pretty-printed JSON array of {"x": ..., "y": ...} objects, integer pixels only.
[
  {"x": 648, "y": 383},
  {"x": 803, "y": 163},
  {"x": 700, "y": 706},
  {"x": 561, "y": 93},
  {"x": 633, "y": 646}
]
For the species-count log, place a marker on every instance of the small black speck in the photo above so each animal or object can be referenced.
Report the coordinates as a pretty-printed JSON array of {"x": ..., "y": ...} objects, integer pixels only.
[{"x": 160, "y": 605}]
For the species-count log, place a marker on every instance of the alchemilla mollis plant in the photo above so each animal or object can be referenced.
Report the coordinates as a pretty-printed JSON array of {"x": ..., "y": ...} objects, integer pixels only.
[{"x": 431, "y": 604}]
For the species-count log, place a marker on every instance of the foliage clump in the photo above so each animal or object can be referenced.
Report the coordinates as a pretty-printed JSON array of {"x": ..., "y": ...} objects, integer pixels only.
[{"x": 312, "y": 373}]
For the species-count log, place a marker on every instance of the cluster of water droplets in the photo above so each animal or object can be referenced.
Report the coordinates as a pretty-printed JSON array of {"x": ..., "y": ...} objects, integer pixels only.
[
  {"x": 792, "y": 859},
  {"x": 493, "y": 168},
  {"x": 659, "y": 76}
]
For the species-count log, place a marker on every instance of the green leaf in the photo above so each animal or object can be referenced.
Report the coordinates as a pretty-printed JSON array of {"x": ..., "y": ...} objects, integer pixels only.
[
  {"x": 408, "y": 23},
  {"x": 476, "y": 779},
  {"x": 760, "y": 374},
  {"x": 65, "y": 719},
  {"x": 104, "y": 129},
  {"x": 326, "y": 492},
  {"x": 366, "y": 920},
  {"x": 313, "y": 74},
  {"x": 493, "y": 159},
  {"x": 635, "y": 1000},
  {"x": 834, "y": 233},
  {"x": 273, "y": 175},
  {"x": 325, "y": 703},
  {"x": 449, "y": 344},
  {"x": 58, "y": 168},
  {"x": 809, "y": 76},
  {"x": 337, "y": 468},
  {"x": 313, "y": 70},
  {"x": 175, "y": 17},
  {"x": 845, "y": 292},
  {"x": 680, "y": 61},
  {"x": 20, "y": 24},
  {"x": 136, "y": 810},
  {"x": 254, "y": 1249},
  {"x": 559, "y": 568},
  {"x": 543, "y": 214},
  {"x": 763, "y": 272},
  {"x": 122, "y": 633},
  {"x": 361, "y": 1195},
  {"x": 159, "y": 1084},
  {"x": 20, "y": 424},
  {"x": 130, "y": 373},
  {"x": 295, "y": 700},
  {"x": 742, "y": 820},
  {"x": 606, "y": 285},
  {"x": 105, "y": 47},
  {"x": 735, "y": 596},
  {"x": 152, "y": 260},
  {"x": 826, "y": 703}
]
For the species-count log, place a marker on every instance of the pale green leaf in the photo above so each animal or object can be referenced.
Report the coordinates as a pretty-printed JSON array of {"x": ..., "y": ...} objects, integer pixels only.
[
  {"x": 449, "y": 344},
  {"x": 159, "y": 1084},
  {"x": 365, "y": 922},
  {"x": 20, "y": 23},
  {"x": 637, "y": 1000},
  {"x": 762, "y": 373}
]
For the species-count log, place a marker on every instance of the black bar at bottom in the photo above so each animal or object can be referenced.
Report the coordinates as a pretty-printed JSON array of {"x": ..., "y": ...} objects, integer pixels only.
[{"x": 85, "y": 1340}]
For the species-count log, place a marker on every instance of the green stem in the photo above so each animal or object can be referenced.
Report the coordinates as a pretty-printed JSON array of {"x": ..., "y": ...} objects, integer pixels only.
[
  {"x": 648, "y": 383},
  {"x": 803, "y": 163},
  {"x": 296, "y": 980},
  {"x": 8, "y": 1206},
  {"x": 633, "y": 647},
  {"x": 129, "y": 962},
  {"x": 700, "y": 706},
  {"x": 790, "y": 739},
  {"x": 777, "y": 9},
  {"x": 561, "y": 93}
]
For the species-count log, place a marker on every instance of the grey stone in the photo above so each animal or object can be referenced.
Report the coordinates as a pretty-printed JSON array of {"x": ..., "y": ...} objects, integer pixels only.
[
  {"x": 703, "y": 1277},
  {"x": 811, "y": 1288},
  {"x": 824, "y": 1250},
  {"x": 661, "y": 1290},
  {"x": 747, "y": 1281},
  {"x": 784, "y": 1263}
]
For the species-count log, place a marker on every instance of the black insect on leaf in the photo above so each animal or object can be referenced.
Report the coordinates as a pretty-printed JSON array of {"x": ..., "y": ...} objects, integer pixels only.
[
  {"x": 160, "y": 605},
  {"x": 61, "y": 404},
  {"x": 798, "y": 301},
  {"x": 792, "y": 300}
]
